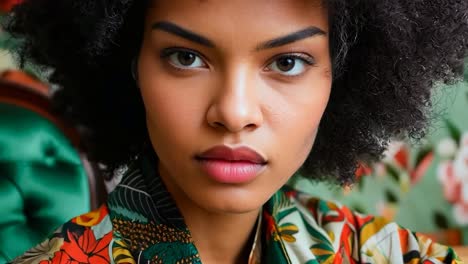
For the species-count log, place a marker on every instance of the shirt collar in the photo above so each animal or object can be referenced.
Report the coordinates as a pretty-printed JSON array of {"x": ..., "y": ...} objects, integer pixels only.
[
  {"x": 256, "y": 250},
  {"x": 142, "y": 201}
]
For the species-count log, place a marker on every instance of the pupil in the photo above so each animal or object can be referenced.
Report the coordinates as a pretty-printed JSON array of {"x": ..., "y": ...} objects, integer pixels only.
[
  {"x": 286, "y": 64},
  {"x": 186, "y": 58}
]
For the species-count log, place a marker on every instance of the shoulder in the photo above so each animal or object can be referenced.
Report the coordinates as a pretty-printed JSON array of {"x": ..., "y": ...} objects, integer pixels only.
[
  {"x": 326, "y": 212},
  {"x": 336, "y": 219},
  {"x": 354, "y": 236},
  {"x": 84, "y": 239}
]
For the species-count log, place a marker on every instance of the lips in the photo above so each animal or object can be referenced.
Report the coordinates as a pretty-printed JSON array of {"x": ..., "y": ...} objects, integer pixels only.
[{"x": 231, "y": 165}]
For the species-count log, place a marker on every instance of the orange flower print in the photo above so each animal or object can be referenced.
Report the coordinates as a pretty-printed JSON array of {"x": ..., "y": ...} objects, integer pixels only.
[
  {"x": 92, "y": 218},
  {"x": 81, "y": 249}
]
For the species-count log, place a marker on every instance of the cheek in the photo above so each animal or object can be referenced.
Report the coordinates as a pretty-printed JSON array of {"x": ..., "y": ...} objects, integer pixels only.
[
  {"x": 168, "y": 120},
  {"x": 168, "y": 101},
  {"x": 298, "y": 117},
  {"x": 161, "y": 113}
]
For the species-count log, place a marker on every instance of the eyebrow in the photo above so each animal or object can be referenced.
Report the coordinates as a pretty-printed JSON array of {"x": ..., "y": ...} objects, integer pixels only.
[
  {"x": 184, "y": 33},
  {"x": 172, "y": 28},
  {"x": 292, "y": 37}
]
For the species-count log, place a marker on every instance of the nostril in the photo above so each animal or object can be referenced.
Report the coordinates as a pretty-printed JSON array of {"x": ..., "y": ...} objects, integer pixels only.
[
  {"x": 250, "y": 127},
  {"x": 217, "y": 124}
]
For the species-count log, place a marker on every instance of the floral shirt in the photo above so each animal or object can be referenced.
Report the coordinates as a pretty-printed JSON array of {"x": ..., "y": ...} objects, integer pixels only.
[{"x": 141, "y": 224}]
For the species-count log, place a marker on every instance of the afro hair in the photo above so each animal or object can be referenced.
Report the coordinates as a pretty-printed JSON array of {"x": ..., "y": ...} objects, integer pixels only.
[{"x": 388, "y": 55}]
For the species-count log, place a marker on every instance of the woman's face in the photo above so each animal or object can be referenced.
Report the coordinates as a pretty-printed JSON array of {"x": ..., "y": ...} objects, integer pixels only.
[{"x": 237, "y": 76}]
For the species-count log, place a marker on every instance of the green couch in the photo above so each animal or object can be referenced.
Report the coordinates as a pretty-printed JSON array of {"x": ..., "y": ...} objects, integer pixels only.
[{"x": 42, "y": 180}]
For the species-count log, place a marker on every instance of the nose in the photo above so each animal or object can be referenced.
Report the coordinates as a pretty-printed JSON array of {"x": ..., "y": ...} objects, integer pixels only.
[{"x": 236, "y": 104}]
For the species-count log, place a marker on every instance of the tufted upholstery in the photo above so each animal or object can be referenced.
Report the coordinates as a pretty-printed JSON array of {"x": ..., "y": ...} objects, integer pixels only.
[{"x": 42, "y": 180}]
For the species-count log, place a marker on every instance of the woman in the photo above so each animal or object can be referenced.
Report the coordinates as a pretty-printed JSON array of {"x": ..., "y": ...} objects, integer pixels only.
[{"x": 209, "y": 107}]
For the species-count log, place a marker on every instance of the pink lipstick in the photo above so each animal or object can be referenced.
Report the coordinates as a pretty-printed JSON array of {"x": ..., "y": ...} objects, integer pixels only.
[{"x": 235, "y": 166}]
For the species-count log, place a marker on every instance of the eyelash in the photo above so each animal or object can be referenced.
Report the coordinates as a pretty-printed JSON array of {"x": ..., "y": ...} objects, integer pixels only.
[
  {"x": 166, "y": 53},
  {"x": 305, "y": 58}
]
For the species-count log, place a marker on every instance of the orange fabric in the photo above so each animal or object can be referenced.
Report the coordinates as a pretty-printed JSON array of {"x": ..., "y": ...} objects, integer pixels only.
[
  {"x": 21, "y": 89},
  {"x": 26, "y": 80}
]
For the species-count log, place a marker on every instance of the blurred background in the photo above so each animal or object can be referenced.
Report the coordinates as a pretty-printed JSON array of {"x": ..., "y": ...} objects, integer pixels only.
[{"x": 45, "y": 178}]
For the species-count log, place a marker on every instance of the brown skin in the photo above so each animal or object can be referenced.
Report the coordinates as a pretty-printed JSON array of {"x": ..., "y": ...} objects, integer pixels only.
[{"x": 233, "y": 94}]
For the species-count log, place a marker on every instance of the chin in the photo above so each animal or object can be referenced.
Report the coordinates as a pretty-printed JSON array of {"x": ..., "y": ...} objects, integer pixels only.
[
  {"x": 233, "y": 203},
  {"x": 233, "y": 208}
]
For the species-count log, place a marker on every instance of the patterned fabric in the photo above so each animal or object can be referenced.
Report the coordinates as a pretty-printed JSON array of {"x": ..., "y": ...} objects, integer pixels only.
[{"x": 141, "y": 224}]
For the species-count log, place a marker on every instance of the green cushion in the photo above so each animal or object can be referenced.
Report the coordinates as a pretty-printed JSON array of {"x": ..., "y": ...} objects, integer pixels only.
[{"x": 42, "y": 181}]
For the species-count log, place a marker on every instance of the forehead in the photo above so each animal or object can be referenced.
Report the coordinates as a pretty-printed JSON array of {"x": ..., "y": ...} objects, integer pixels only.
[
  {"x": 238, "y": 5},
  {"x": 223, "y": 20}
]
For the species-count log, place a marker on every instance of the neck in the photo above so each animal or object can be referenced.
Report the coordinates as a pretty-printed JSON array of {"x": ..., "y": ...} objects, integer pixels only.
[{"x": 221, "y": 237}]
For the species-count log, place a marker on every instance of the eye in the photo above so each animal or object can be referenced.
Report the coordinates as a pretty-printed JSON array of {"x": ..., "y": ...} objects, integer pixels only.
[
  {"x": 183, "y": 59},
  {"x": 291, "y": 64}
]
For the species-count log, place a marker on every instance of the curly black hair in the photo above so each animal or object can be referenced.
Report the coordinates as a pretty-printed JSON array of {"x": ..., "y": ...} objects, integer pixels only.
[{"x": 387, "y": 57}]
